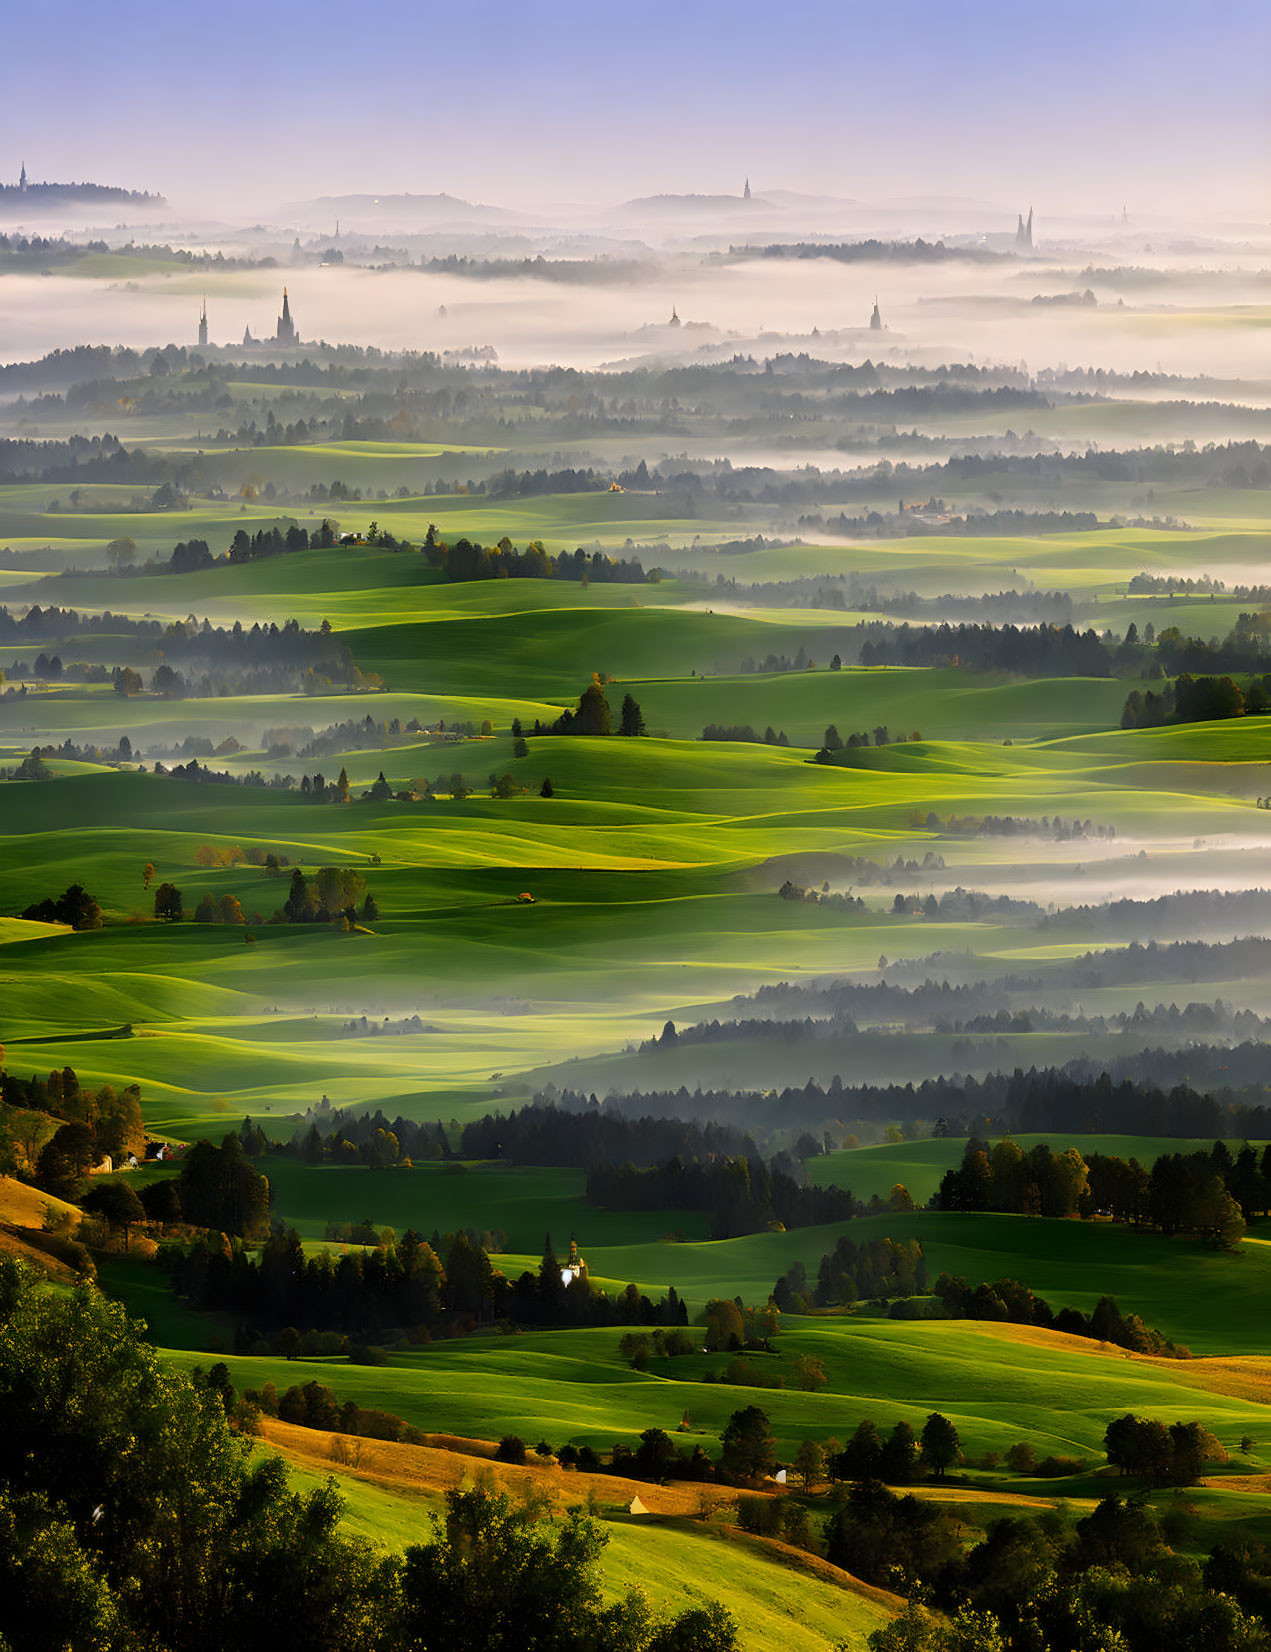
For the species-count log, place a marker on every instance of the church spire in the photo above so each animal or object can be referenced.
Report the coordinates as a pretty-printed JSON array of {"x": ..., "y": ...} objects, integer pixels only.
[
  {"x": 203, "y": 324},
  {"x": 745, "y": 194},
  {"x": 286, "y": 333},
  {"x": 22, "y": 179}
]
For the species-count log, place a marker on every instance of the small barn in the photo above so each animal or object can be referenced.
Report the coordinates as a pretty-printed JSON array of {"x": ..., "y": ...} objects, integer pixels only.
[{"x": 635, "y": 1506}]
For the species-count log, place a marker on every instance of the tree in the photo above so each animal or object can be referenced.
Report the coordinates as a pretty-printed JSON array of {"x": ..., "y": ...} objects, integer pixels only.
[
  {"x": 941, "y": 1447},
  {"x": 547, "y": 789},
  {"x": 220, "y": 1189},
  {"x": 147, "y": 874},
  {"x": 809, "y": 1462},
  {"x": 167, "y": 903},
  {"x": 833, "y": 740},
  {"x": 135, "y": 1517},
  {"x": 342, "y": 786},
  {"x": 65, "y": 1159},
  {"x": 75, "y": 907},
  {"x": 494, "y": 1577},
  {"x": 520, "y": 746},
  {"x": 117, "y": 1204},
  {"x": 229, "y": 910},
  {"x": 809, "y": 1374},
  {"x": 749, "y": 1449},
  {"x": 632, "y": 719},
  {"x": 121, "y": 553},
  {"x": 861, "y": 1458}
]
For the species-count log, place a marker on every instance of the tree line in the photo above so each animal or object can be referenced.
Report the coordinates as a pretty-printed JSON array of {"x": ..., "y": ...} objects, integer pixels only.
[
  {"x": 398, "y": 1286},
  {"x": 1182, "y": 1193},
  {"x": 1081, "y": 1096},
  {"x": 741, "y": 1194}
]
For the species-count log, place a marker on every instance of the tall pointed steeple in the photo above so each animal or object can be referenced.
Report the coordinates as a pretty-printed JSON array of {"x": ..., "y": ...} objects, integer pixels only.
[
  {"x": 876, "y": 320},
  {"x": 745, "y": 194},
  {"x": 286, "y": 327},
  {"x": 22, "y": 179},
  {"x": 203, "y": 324}
]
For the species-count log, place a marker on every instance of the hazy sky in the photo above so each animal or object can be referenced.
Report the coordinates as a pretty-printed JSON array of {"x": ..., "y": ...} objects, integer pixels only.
[{"x": 1071, "y": 103}]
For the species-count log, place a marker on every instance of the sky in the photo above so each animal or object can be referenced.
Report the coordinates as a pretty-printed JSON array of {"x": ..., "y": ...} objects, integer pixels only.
[{"x": 1074, "y": 104}]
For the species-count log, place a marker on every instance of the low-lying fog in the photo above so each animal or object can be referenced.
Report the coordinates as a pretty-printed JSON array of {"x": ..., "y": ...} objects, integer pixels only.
[{"x": 932, "y": 313}]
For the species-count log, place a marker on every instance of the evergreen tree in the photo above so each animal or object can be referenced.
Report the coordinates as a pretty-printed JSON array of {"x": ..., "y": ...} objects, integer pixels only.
[{"x": 632, "y": 722}]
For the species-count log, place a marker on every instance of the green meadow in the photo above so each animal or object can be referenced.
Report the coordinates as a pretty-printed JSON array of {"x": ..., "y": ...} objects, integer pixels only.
[{"x": 654, "y": 867}]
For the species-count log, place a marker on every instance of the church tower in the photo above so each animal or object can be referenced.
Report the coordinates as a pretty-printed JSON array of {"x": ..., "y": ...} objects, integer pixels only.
[
  {"x": 1024, "y": 233},
  {"x": 876, "y": 320},
  {"x": 745, "y": 194},
  {"x": 203, "y": 325},
  {"x": 286, "y": 327},
  {"x": 22, "y": 180}
]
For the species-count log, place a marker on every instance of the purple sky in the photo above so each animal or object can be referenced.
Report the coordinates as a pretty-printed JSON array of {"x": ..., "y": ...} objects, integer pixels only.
[{"x": 1075, "y": 104}]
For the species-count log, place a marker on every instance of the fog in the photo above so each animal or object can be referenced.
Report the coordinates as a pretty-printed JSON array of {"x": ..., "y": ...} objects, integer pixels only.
[{"x": 1190, "y": 325}]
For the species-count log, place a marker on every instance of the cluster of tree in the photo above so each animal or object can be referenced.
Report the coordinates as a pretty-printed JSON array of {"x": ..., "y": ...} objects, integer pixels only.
[
  {"x": 313, "y": 1405},
  {"x": 400, "y": 1287},
  {"x": 196, "y": 645},
  {"x": 765, "y": 1030},
  {"x": 834, "y": 741},
  {"x": 1171, "y": 585},
  {"x": 199, "y": 774},
  {"x": 743, "y": 733},
  {"x": 1173, "y": 1456},
  {"x": 137, "y": 1517},
  {"x": 1107, "y": 1580},
  {"x": 1061, "y": 830},
  {"x": 802, "y": 661},
  {"x": 851, "y": 591},
  {"x": 330, "y": 894},
  {"x": 358, "y": 1138},
  {"x": 740, "y": 1195},
  {"x": 593, "y": 717},
  {"x": 1183, "y": 1193},
  {"x": 1196, "y": 700},
  {"x": 25, "y": 459},
  {"x": 867, "y": 1002},
  {"x": 75, "y": 906},
  {"x": 1083, "y": 1095},
  {"x": 1007, "y": 1301},
  {"x": 900, "y": 1459},
  {"x": 34, "y": 766},
  {"x": 1185, "y": 910},
  {"x": 218, "y": 1188},
  {"x": 1034, "y": 651},
  {"x": 468, "y": 560},
  {"x": 1214, "y": 1194},
  {"x": 913, "y": 522},
  {"x": 364, "y": 734},
  {"x": 965, "y": 906},
  {"x": 361, "y": 1026},
  {"x": 876, "y": 1270}
]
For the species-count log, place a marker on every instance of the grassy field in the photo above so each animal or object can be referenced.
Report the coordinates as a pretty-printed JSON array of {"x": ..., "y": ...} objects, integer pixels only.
[{"x": 654, "y": 871}]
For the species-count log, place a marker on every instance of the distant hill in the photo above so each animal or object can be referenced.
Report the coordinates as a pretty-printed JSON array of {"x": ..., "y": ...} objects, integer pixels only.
[
  {"x": 691, "y": 204},
  {"x": 401, "y": 208}
]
